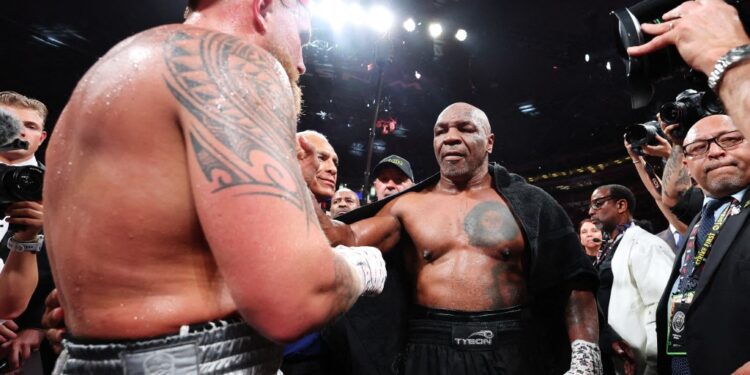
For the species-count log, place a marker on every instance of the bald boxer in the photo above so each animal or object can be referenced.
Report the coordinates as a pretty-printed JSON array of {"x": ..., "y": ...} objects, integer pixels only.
[
  {"x": 181, "y": 233},
  {"x": 344, "y": 200},
  {"x": 490, "y": 257}
]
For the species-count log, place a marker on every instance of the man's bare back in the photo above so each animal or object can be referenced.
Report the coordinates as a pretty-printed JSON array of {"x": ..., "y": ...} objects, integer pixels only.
[
  {"x": 172, "y": 185},
  {"x": 127, "y": 244},
  {"x": 470, "y": 256}
]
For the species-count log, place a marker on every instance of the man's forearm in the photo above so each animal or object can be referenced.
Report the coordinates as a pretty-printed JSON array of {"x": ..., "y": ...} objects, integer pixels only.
[
  {"x": 581, "y": 317},
  {"x": 337, "y": 232},
  {"x": 675, "y": 179},
  {"x": 735, "y": 94},
  {"x": 18, "y": 280}
]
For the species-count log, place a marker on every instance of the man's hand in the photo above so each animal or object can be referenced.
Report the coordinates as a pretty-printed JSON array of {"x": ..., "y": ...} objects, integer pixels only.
[
  {"x": 623, "y": 350},
  {"x": 309, "y": 163},
  {"x": 19, "y": 349},
  {"x": 585, "y": 358},
  {"x": 662, "y": 150},
  {"x": 669, "y": 131},
  {"x": 28, "y": 214},
  {"x": 54, "y": 321},
  {"x": 8, "y": 331},
  {"x": 702, "y": 30}
]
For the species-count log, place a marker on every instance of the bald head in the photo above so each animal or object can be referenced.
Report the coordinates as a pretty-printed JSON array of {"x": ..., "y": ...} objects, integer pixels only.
[
  {"x": 718, "y": 156},
  {"x": 462, "y": 142},
  {"x": 465, "y": 112},
  {"x": 706, "y": 125}
]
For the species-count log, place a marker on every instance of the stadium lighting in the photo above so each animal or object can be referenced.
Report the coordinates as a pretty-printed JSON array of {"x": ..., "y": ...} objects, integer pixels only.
[
  {"x": 435, "y": 30},
  {"x": 461, "y": 35}
]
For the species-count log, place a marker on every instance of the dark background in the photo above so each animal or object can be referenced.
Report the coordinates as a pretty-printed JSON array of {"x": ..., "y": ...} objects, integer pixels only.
[{"x": 517, "y": 53}]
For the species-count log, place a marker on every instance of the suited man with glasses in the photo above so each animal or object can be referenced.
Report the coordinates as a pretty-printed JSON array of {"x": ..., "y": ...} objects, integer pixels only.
[
  {"x": 702, "y": 315},
  {"x": 633, "y": 269}
]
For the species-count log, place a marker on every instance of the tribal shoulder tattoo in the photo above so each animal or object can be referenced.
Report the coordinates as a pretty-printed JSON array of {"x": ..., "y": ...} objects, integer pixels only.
[{"x": 243, "y": 121}]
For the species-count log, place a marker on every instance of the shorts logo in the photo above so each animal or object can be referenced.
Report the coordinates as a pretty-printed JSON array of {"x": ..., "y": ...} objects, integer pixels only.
[
  {"x": 483, "y": 337},
  {"x": 159, "y": 364}
]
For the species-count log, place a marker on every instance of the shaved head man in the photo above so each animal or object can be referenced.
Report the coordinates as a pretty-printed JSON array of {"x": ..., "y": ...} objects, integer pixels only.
[
  {"x": 190, "y": 130},
  {"x": 479, "y": 254},
  {"x": 344, "y": 200}
]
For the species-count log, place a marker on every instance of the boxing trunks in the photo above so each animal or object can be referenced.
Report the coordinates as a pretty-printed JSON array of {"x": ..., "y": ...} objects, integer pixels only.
[
  {"x": 217, "y": 347},
  {"x": 443, "y": 342}
]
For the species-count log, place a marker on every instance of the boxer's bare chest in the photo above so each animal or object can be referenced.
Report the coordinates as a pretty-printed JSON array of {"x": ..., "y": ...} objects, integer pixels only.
[{"x": 480, "y": 222}]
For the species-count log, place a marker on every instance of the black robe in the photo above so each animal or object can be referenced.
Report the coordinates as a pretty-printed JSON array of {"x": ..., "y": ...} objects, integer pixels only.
[{"x": 369, "y": 338}]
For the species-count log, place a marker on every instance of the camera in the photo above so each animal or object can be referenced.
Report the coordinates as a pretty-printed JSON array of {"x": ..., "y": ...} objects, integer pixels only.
[
  {"x": 639, "y": 135},
  {"x": 689, "y": 107},
  {"x": 643, "y": 72},
  {"x": 22, "y": 183}
]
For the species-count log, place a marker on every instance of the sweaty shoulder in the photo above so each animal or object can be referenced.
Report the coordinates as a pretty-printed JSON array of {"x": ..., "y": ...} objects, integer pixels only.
[{"x": 196, "y": 69}]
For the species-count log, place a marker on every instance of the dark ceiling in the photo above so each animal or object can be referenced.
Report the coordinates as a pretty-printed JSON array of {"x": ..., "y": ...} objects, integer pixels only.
[{"x": 517, "y": 53}]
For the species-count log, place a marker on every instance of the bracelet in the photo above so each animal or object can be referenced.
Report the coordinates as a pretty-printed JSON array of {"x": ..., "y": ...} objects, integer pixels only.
[
  {"x": 33, "y": 246},
  {"x": 726, "y": 62}
]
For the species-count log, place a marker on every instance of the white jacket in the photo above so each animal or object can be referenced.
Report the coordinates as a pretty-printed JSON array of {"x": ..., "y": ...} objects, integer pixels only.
[{"x": 641, "y": 267}]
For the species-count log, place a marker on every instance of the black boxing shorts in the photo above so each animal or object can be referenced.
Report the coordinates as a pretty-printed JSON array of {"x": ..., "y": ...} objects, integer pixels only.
[
  {"x": 444, "y": 342},
  {"x": 217, "y": 347}
]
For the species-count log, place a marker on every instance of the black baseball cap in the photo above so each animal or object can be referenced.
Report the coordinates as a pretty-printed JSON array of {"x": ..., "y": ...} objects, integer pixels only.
[{"x": 396, "y": 161}]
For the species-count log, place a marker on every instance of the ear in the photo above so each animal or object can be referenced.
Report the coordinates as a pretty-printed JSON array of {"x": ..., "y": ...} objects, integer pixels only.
[
  {"x": 490, "y": 143},
  {"x": 42, "y": 137},
  {"x": 622, "y": 206},
  {"x": 261, "y": 8}
]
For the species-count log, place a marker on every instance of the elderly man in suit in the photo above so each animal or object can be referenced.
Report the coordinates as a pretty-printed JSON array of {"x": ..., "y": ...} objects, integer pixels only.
[{"x": 702, "y": 316}]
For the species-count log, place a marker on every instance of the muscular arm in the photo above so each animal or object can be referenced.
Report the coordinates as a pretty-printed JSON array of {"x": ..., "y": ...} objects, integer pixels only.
[
  {"x": 735, "y": 94},
  {"x": 18, "y": 280},
  {"x": 382, "y": 231},
  {"x": 236, "y": 112},
  {"x": 581, "y": 316},
  {"x": 675, "y": 179}
]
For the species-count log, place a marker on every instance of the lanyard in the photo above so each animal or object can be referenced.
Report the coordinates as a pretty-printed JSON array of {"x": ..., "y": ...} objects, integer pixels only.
[{"x": 708, "y": 242}]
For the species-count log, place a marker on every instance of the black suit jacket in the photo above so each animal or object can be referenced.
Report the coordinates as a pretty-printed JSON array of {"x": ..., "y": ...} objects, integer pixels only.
[{"x": 717, "y": 329}]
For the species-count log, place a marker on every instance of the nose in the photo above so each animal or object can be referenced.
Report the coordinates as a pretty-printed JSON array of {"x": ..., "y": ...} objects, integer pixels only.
[
  {"x": 452, "y": 137},
  {"x": 301, "y": 67},
  {"x": 714, "y": 150},
  {"x": 591, "y": 211}
]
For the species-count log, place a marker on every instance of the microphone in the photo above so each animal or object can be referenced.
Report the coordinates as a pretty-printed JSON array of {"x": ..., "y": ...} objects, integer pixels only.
[
  {"x": 10, "y": 133},
  {"x": 596, "y": 240}
]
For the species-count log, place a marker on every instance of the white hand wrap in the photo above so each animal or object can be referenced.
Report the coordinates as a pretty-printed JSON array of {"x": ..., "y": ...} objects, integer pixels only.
[
  {"x": 585, "y": 359},
  {"x": 368, "y": 264}
]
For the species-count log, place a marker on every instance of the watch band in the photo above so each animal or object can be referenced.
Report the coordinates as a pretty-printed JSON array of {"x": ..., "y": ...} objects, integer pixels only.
[
  {"x": 730, "y": 59},
  {"x": 26, "y": 247}
]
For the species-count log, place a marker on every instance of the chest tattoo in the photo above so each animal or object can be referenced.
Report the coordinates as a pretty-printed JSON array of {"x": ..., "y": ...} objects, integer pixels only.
[{"x": 489, "y": 224}]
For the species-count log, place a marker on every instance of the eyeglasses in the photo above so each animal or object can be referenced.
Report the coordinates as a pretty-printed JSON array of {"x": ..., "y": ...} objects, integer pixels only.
[
  {"x": 599, "y": 202},
  {"x": 726, "y": 141}
]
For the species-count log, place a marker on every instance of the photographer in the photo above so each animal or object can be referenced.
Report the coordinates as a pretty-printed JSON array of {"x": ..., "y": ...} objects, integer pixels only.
[
  {"x": 653, "y": 185},
  {"x": 25, "y": 278},
  {"x": 710, "y": 38}
]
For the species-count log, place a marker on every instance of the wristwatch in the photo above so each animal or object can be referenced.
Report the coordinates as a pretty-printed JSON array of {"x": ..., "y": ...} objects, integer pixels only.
[
  {"x": 33, "y": 246},
  {"x": 730, "y": 59}
]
